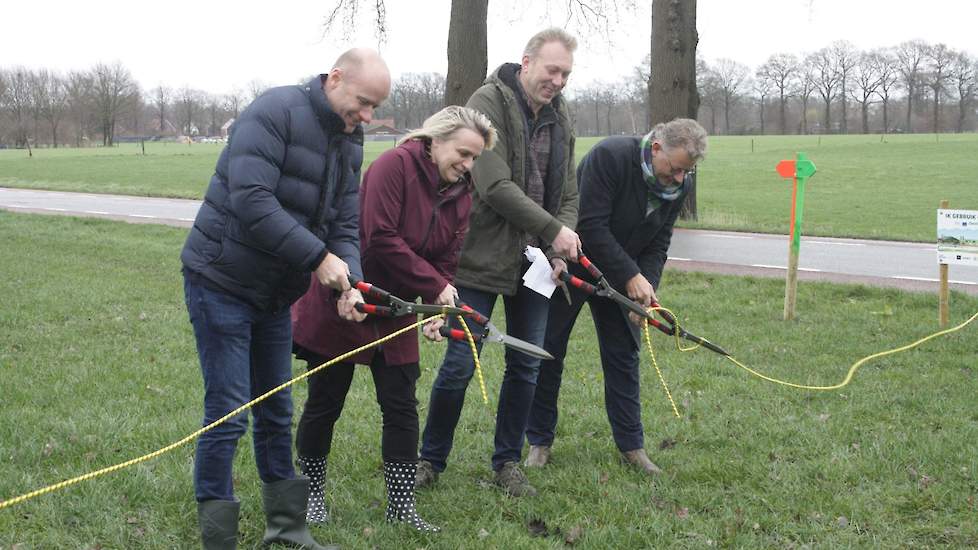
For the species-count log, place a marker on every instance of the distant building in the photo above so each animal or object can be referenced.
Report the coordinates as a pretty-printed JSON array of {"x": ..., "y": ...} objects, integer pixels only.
[
  {"x": 226, "y": 127},
  {"x": 382, "y": 129}
]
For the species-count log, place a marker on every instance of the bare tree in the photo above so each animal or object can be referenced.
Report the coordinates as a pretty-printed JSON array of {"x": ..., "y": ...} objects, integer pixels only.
[
  {"x": 730, "y": 77},
  {"x": 846, "y": 58},
  {"x": 867, "y": 79},
  {"x": 910, "y": 55},
  {"x": 346, "y": 15},
  {"x": 234, "y": 102},
  {"x": 55, "y": 106},
  {"x": 761, "y": 88},
  {"x": 19, "y": 103},
  {"x": 190, "y": 107},
  {"x": 162, "y": 95},
  {"x": 112, "y": 86},
  {"x": 80, "y": 99},
  {"x": 889, "y": 75},
  {"x": 710, "y": 93},
  {"x": 964, "y": 75},
  {"x": 806, "y": 87},
  {"x": 467, "y": 50},
  {"x": 826, "y": 81},
  {"x": 256, "y": 88},
  {"x": 938, "y": 59},
  {"x": 780, "y": 71}
]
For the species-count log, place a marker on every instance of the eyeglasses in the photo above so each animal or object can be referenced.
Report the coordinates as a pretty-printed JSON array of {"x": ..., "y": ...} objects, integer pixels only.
[{"x": 676, "y": 172}]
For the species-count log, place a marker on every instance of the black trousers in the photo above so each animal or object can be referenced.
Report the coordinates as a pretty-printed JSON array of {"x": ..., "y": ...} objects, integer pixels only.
[{"x": 395, "y": 386}]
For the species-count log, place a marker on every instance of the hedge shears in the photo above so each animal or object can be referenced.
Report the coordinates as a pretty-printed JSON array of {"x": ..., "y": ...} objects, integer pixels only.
[
  {"x": 604, "y": 289},
  {"x": 392, "y": 306}
]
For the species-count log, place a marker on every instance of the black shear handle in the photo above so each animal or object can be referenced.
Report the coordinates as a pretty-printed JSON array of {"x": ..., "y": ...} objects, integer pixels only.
[
  {"x": 590, "y": 267},
  {"x": 577, "y": 283},
  {"x": 473, "y": 314},
  {"x": 457, "y": 334},
  {"x": 369, "y": 289}
]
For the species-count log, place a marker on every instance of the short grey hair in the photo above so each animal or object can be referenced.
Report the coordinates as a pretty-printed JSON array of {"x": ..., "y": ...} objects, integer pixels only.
[
  {"x": 682, "y": 133},
  {"x": 449, "y": 120},
  {"x": 553, "y": 34}
]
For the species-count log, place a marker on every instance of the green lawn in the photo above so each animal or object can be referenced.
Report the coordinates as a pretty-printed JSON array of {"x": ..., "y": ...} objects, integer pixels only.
[
  {"x": 97, "y": 365},
  {"x": 864, "y": 187}
]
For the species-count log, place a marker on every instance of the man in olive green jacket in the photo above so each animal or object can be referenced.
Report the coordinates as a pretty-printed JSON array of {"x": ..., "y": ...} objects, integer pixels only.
[{"x": 525, "y": 195}]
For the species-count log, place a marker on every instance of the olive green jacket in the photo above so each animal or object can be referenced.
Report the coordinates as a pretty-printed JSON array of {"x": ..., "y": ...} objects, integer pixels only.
[{"x": 503, "y": 216}]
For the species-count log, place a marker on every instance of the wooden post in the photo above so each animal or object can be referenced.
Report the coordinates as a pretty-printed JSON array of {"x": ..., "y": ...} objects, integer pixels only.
[
  {"x": 943, "y": 313},
  {"x": 799, "y": 171}
]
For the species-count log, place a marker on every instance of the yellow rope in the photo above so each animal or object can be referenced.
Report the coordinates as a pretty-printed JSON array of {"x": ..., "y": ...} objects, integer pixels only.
[
  {"x": 198, "y": 433},
  {"x": 475, "y": 356},
  {"x": 855, "y": 366},
  {"x": 648, "y": 341}
]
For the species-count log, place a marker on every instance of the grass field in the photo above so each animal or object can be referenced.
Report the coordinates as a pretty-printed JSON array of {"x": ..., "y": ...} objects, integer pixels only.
[
  {"x": 863, "y": 188},
  {"x": 97, "y": 365}
]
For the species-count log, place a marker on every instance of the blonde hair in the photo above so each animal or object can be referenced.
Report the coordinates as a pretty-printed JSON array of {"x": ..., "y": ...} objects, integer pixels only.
[
  {"x": 449, "y": 120},
  {"x": 553, "y": 34}
]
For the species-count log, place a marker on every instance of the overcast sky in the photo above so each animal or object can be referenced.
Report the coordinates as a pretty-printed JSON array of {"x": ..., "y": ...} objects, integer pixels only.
[{"x": 217, "y": 45}]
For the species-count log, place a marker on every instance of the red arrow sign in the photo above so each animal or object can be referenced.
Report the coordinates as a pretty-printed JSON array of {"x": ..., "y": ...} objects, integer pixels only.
[{"x": 786, "y": 168}]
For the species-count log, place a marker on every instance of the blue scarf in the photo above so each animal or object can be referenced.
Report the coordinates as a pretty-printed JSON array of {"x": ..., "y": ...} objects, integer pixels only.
[{"x": 660, "y": 191}]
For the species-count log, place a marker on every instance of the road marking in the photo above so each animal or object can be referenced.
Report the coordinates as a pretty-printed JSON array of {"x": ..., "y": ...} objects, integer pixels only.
[
  {"x": 907, "y": 278},
  {"x": 769, "y": 266},
  {"x": 718, "y": 236},
  {"x": 185, "y": 219},
  {"x": 55, "y": 209},
  {"x": 680, "y": 259},
  {"x": 15, "y": 206},
  {"x": 141, "y": 216},
  {"x": 813, "y": 270},
  {"x": 97, "y": 212},
  {"x": 806, "y": 241}
]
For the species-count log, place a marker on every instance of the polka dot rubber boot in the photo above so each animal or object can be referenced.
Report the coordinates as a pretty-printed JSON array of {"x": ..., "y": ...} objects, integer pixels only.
[
  {"x": 315, "y": 469},
  {"x": 400, "y": 495}
]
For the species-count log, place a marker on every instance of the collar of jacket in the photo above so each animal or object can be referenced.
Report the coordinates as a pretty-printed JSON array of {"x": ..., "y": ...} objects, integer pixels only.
[
  {"x": 508, "y": 76},
  {"x": 328, "y": 119},
  {"x": 427, "y": 167}
]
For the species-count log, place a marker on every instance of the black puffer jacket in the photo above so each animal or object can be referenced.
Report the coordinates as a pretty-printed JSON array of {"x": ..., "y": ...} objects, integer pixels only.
[{"x": 285, "y": 191}]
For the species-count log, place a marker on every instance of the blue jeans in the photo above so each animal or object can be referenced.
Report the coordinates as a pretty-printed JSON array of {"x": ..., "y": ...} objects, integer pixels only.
[
  {"x": 243, "y": 353},
  {"x": 619, "y": 361},
  {"x": 526, "y": 318}
]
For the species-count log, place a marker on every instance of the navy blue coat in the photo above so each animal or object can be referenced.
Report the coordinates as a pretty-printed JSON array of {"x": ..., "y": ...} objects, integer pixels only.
[
  {"x": 617, "y": 234},
  {"x": 284, "y": 193}
]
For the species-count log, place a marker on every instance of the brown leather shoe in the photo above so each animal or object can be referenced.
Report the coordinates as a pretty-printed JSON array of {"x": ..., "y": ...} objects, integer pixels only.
[
  {"x": 538, "y": 456},
  {"x": 640, "y": 460}
]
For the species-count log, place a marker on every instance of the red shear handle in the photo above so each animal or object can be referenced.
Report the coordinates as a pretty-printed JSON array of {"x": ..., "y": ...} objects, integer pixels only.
[
  {"x": 581, "y": 284},
  {"x": 665, "y": 314},
  {"x": 380, "y": 311},
  {"x": 473, "y": 314},
  {"x": 666, "y": 329},
  {"x": 591, "y": 268},
  {"x": 369, "y": 289},
  {"x": 457, "y": 334}
]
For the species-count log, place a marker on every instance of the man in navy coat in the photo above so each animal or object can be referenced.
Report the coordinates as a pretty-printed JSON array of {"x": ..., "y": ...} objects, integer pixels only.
[
  {"x": 631, "y": 191},
  {"x": 283, "y": 202}
]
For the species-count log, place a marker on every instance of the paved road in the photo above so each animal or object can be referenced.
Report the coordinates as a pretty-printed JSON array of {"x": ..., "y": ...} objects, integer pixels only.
[{"x": 911, "y": 266}]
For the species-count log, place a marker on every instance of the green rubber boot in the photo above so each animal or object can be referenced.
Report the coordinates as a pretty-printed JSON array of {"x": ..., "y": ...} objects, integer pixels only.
[
  {"x": 285, "y": 514},
  {"x": 218, "y": 520}
]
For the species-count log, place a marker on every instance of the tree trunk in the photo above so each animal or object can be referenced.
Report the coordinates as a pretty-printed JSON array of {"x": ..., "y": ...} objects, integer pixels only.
[
  {"x": 828, "y": 116},
  {"x": 910, "y": 91},
  {"x": 467, "y": 50},
  {"x": 673, "y": 92},
  {"x": 865, "y": 112},
  {"x": 886, "y": 122},
  {"x": 784, "y": 127}
]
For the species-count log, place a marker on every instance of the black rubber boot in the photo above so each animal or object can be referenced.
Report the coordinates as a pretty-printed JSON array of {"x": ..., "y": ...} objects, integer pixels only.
[
  {"x": 218, "y": 520},
  {"x": 285, "y": 514},
  {"x": 400, "y": 495},
  {"x": 314, "y": 467}
]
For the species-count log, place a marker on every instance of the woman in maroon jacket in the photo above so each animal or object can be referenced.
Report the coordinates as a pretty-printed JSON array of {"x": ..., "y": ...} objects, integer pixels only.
[{"x": 414, "y": 213}]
